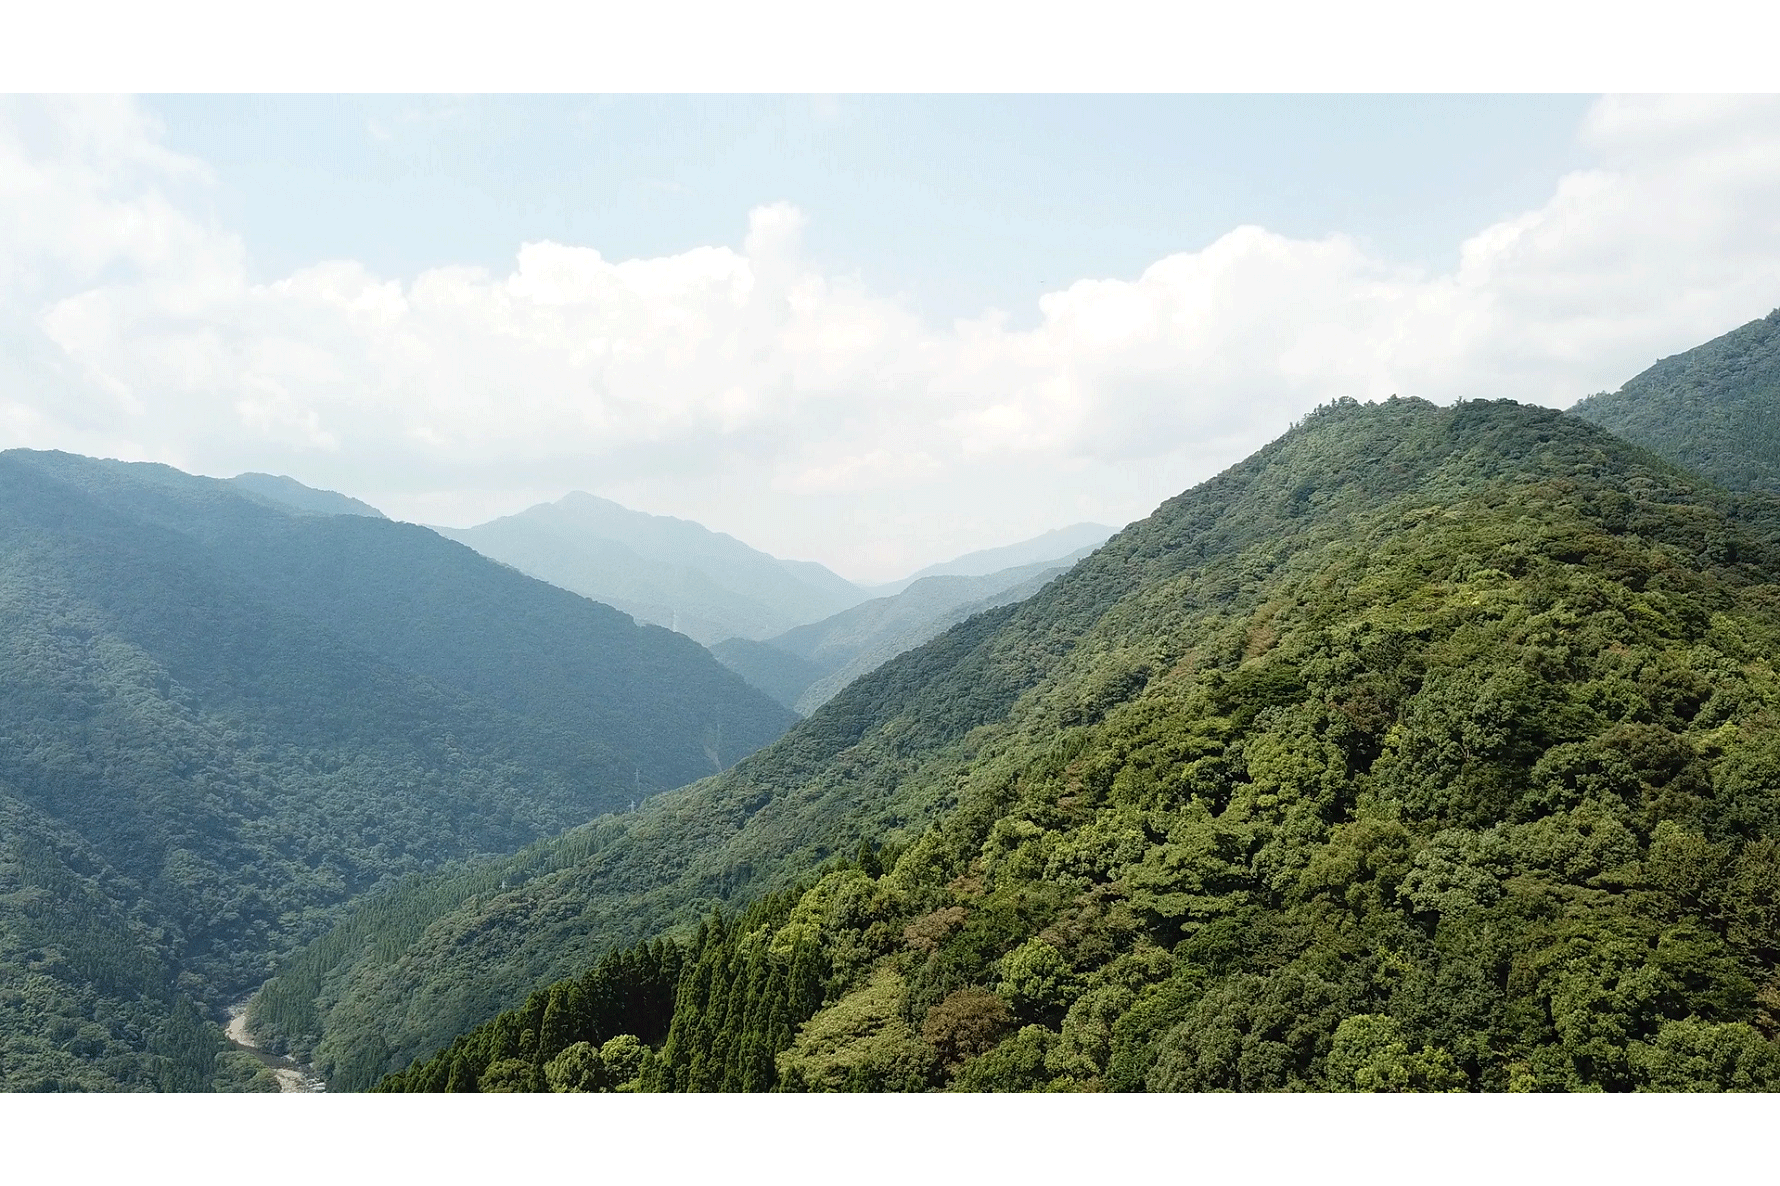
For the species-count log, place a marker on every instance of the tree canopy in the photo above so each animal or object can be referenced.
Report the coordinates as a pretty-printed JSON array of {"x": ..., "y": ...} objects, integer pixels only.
[
  {"x": 221, "y": 719},
  {"x": 1430, "y": 749}
]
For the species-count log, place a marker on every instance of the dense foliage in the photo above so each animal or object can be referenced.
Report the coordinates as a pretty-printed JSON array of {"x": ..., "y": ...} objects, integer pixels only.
[
  {"x": 318, "y": 1007},
  {"x": 408, "y": 970},
  {"x": 592, "y": 1033},
  {"x": 1489, "y": 798},
  {"x": 220, "y": 720},
  {"x": 87, "y": 1002},
  {"x": 1427, "y": 749},
  {"x": 654, "y": 1018},
  {"x": 1714, "y": 409}
]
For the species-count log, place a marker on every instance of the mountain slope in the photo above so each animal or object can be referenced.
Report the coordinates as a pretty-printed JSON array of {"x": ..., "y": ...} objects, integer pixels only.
[
  {"x": 243, "y": 716},
  {"x": 780, "y": 674},
  {"x": 87, "y": 998},
  {"x": 668, "y": 571},
  {"x": 807, "y": 665},
  {"x": 1157, "y": 778},
  {"x": 1465, "y": 779},
  {"x": 1714, "y": 409},
  {"x": 290, "y": 493}
]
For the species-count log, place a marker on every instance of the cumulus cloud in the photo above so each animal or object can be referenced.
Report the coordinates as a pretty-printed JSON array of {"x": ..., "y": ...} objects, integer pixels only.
[{"x": 749, "y": 389}]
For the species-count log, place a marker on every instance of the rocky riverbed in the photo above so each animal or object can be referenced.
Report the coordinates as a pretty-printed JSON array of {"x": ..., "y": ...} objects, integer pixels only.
[{"x": 291, "y": 1075}]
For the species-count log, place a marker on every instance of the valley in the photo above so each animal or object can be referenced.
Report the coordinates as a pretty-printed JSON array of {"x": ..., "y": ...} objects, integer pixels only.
[
  {"x": 225, "y": 718},
  {"x": 290, "y": 1076}
]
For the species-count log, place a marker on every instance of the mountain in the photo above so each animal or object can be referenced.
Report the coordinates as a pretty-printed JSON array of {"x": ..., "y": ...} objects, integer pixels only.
[
  {"x": 1053, "y": 547},
  {"x": 669, "y": 571},
  {"x": 1714, "y": 409},
  {"x": 779, "y": 673},
  {"x": 807, "y": 665},
  {"x": 293, "y": 495},
  {"x": 221, "y": 719},
  {"x": 1426, "y": 749}
]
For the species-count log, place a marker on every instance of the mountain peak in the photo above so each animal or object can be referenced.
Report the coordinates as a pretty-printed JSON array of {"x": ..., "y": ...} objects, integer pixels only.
[
  {"x": 673, "y": 572},
  {"x": 582, "y": 500},
  {"x": 1050, "y": 546},
  {"x": 291, "y": 494}
]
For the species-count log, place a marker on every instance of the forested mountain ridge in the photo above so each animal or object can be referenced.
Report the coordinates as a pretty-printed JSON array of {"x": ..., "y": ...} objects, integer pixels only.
[
  {"x": 806, "y": 665},
  {"x": 224, "y": 719},
  {"x": 1714, "y": 409},
  {"x": 659, "y": 569},
  {"x": 1185, "y": 818},
  {"x": 290, "y": 493}
]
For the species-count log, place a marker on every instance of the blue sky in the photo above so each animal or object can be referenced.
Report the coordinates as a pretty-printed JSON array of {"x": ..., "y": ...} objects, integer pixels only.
[
  {"x": 960, "y": 202},
  {"x": 874, "y": 332}
]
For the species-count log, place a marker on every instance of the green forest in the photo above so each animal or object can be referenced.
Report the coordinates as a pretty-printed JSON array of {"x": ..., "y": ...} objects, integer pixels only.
[
  {"x": 1711, "y": 409},
  {"x": 222, "y": 721},
  {"x": 1432, "y": 749}
]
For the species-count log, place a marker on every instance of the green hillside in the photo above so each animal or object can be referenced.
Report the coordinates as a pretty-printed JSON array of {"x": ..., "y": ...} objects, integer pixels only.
[
  {"x": 88, "y": 999},
  {"x": 1427, "y": 748},
  {"x": 1714, "y": 409},
  {"x": 220, "y": 721},
  {"x": 780, "y": 674}
]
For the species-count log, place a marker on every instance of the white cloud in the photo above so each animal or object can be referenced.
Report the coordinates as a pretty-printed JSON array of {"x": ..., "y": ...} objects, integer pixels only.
[{"x": 750, "y": 390}]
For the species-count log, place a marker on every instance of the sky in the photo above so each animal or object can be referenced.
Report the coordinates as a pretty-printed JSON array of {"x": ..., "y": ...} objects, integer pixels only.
[{"x": 875, "y": 332}]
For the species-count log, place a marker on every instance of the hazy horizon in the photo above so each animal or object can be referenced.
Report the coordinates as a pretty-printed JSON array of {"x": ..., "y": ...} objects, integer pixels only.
[{"x": 872, "y": 332}]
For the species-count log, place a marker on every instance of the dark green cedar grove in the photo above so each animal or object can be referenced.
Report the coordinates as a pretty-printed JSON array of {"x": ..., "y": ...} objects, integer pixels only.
[
  {"x": 1428, "y": 749},
  {"x": 220, "y": 720},
  {"x": 648, "y": 1019}
]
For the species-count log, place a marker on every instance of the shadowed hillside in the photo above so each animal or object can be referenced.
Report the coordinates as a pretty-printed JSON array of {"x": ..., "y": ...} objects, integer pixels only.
[{"x": 220, "y": 720}]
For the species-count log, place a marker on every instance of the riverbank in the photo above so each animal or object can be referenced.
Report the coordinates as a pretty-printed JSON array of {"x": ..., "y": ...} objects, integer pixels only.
[{"x": 291, "y": 1075}]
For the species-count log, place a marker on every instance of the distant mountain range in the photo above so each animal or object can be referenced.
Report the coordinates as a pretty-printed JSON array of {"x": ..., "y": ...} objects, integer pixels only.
[
  {"x": 807, "y": 665},
  {"x": 793, "y": 629},
  {"x": 1048, "y": 548},
  {"x": 668, "y": 571},
  {"x": 748, "y": 605}
]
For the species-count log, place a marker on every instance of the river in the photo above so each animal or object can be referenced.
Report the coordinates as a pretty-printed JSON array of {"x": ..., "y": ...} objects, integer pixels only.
[{"x": 291, "y": 1075}]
